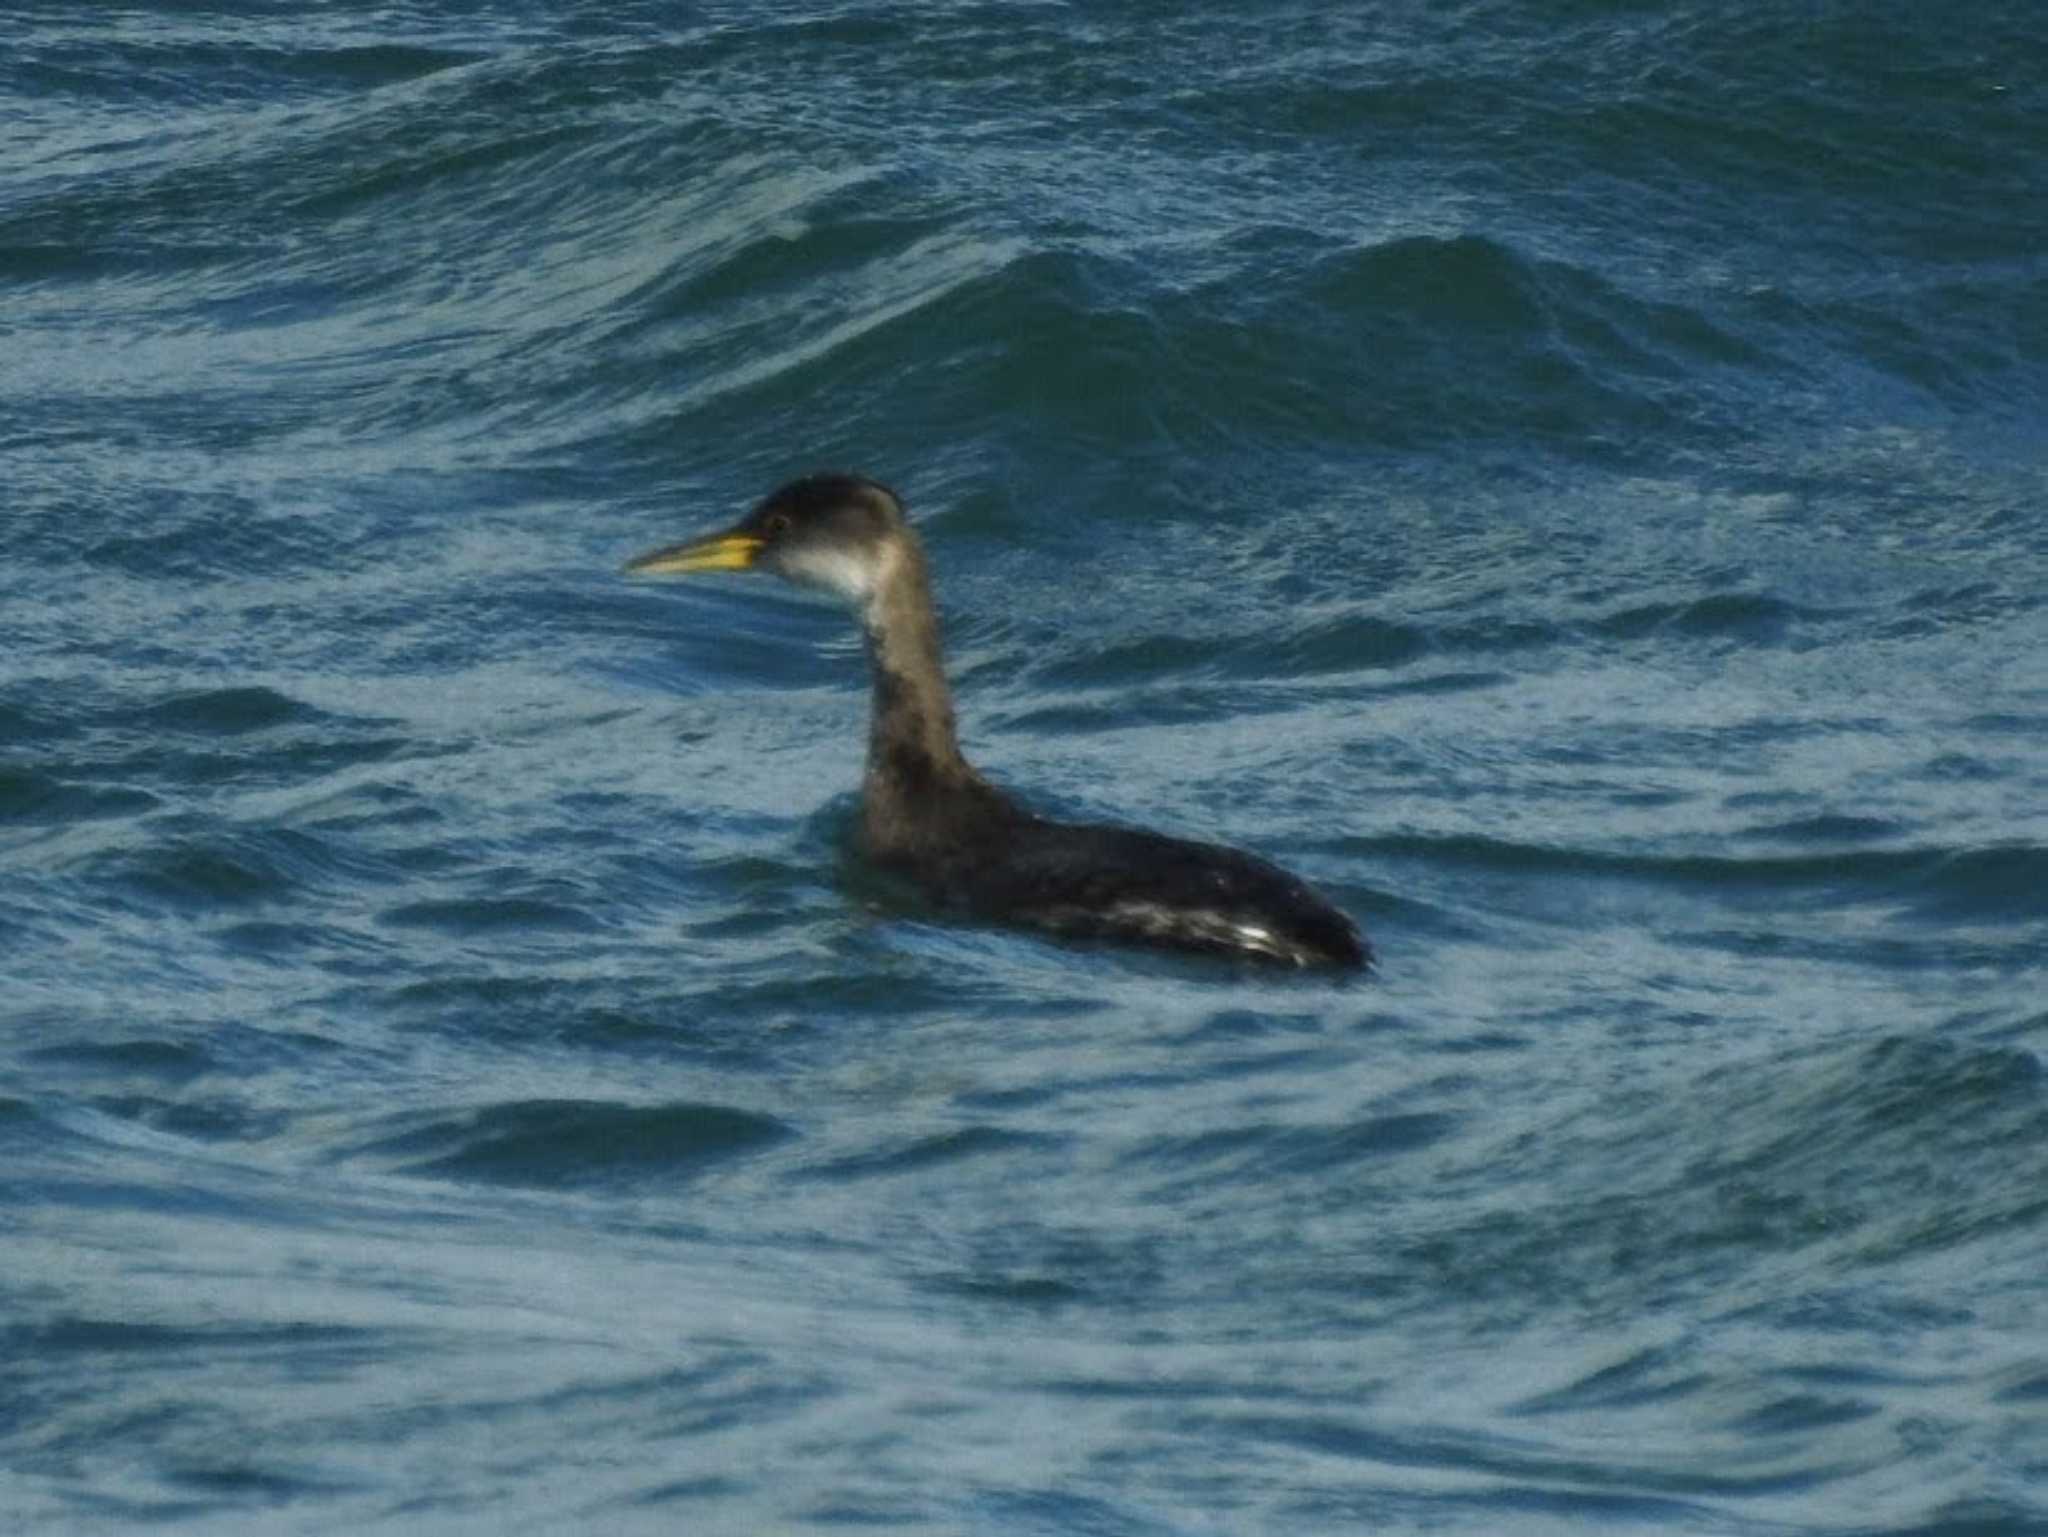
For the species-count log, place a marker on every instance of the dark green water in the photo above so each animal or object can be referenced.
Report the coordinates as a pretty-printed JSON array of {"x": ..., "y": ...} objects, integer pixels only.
[{"x": 1571, "y": 479}]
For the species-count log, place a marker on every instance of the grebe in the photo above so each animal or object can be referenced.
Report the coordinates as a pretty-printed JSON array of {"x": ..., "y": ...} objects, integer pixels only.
[{"x": 926, "y": 814}]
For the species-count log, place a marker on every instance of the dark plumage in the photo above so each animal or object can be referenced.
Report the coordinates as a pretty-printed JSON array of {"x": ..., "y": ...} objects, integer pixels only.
[{"x": 927, "y": 815}]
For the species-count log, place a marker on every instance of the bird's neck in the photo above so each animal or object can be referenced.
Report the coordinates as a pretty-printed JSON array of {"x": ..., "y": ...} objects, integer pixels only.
[{"x": 915, "y": 768}]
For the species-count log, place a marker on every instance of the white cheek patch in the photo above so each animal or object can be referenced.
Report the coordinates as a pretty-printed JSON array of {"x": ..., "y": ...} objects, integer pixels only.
[{"x": 838, "y": 572}]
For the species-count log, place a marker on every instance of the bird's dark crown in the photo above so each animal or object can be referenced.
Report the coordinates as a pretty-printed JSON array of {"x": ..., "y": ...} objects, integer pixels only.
[{"x": 832, "y": 506}]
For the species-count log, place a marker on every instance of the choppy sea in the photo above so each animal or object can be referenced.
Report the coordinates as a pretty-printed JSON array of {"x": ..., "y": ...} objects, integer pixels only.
[{"x": 1570, "y": 478}]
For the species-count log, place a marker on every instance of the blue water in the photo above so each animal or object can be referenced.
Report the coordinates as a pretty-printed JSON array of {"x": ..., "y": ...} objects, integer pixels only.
[{"x": 1571, "y": 479}]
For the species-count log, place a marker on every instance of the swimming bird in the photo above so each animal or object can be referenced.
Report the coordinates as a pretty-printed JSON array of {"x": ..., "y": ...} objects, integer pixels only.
[{"x": 927, "y": 815}]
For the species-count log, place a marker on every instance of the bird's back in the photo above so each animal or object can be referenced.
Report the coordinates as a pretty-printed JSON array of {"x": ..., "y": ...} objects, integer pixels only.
[{"x": 1090, "y": 881}]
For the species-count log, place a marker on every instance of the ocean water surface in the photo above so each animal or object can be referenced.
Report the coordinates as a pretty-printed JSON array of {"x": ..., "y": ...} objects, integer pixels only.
[{"x": 1569, "y": 478}]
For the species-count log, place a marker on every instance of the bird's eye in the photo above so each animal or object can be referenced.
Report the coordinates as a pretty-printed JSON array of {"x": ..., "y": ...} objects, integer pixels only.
[{"x": 775, "y": 525}]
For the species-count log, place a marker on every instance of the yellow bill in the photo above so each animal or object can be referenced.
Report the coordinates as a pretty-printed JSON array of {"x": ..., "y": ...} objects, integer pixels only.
[{"x": 711, "y": 552}]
